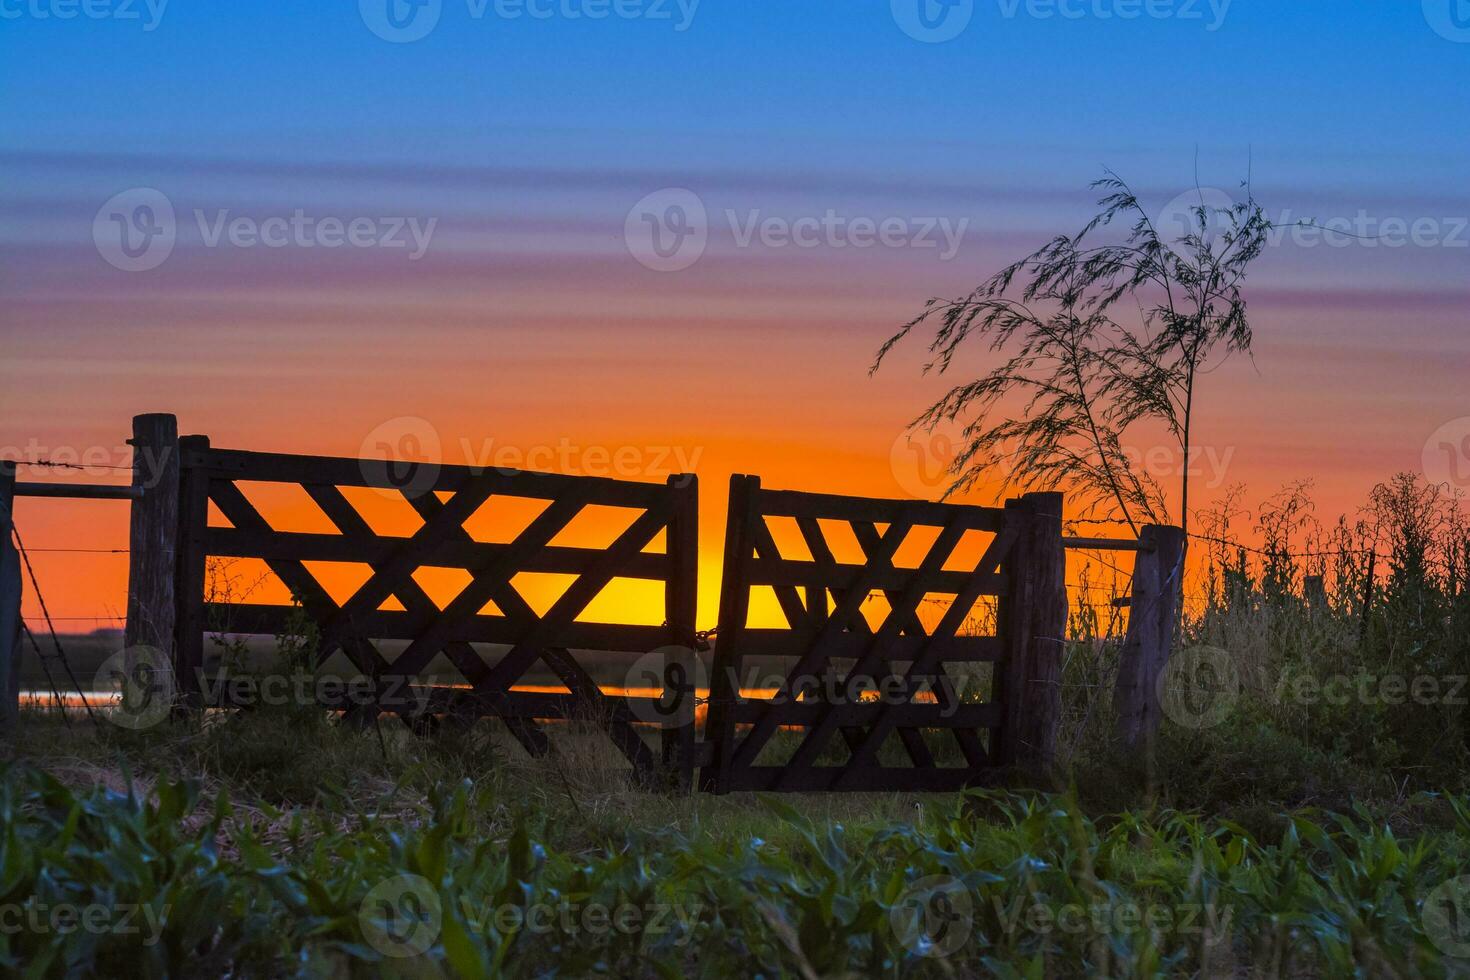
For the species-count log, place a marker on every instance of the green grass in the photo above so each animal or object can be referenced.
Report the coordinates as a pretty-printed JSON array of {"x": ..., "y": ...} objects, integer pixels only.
[
  {"x": 268, "y": 845},
  {"x": 1020, "y": 885}
]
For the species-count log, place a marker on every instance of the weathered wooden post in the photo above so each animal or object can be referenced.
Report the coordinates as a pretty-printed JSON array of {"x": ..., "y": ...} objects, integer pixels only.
[
  {"x": 1033, "y": 625},
  {"x": 189, "y": 585},
  {"x": 153, "y": 535},
  {"x": 681, "y": 598},
  {"x": 9, "y": 607},
  {"x": 1153, "y": 612},
  {"x": 1367, "y": 605},
  {"x": 724, "y": 683},
  {"x": 1314, "y": 592}
]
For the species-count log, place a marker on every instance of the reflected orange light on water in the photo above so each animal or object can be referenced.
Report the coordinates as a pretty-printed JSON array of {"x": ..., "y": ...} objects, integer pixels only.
[{"x": 105, "y": 700}]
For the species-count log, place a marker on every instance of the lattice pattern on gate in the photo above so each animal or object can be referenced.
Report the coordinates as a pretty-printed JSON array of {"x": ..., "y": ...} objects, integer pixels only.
[
  {"x": 827, "y": 638},
  {"x": 444, "y": 498}
]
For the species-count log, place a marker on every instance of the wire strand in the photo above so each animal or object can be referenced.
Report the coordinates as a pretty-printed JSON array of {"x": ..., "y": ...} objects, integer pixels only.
[
  {"x": 46, "y": 669},
  {"x": 41, "y": 599},
  {"x": 56, "y": 464}
]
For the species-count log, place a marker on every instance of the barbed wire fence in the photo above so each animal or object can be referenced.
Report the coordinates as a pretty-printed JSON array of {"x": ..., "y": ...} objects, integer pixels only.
[{"x": 56, "y": 661}]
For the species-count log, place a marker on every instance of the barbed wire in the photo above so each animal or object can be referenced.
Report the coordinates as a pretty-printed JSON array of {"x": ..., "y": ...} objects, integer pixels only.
[
  {"x": 1267, "y": 552},
  {"x": 58, "y": 464},
  {"x": 46, "y": 670},
  {"x": 1273, "y": 553},
  {"x": 50, "y": 623},
  {"x": 89, "y": 619},
  {"x": 1229, "y": 543}
]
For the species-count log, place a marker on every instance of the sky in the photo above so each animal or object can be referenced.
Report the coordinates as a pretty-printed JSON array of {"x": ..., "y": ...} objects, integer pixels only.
[{"x": 638, "y": 237}]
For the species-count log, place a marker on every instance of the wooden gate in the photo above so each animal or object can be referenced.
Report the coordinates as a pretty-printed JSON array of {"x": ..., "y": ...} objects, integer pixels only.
[
  {"x": 867, "y": 683},
  {"x": 444, "y": 498}
]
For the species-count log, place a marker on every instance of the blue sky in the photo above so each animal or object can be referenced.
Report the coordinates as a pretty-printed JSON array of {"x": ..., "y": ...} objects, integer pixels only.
[{"x": 1361, "y": 89}]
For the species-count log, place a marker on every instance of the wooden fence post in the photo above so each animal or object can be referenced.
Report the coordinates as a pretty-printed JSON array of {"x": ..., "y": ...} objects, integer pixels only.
[
  {"x": 189, "y": 585},
  {"x": 1367, "y": 605},
  {"x": 9, "y": 607},
  {"x": 724, "y": 683},
  {"x": 681, "y": 600},
  {"x": 153, "y": 535},
  {"x": 1314, "y": 593},
  {"x": 1033, "y": 621},
  {"x": 1153, "y": 611}
]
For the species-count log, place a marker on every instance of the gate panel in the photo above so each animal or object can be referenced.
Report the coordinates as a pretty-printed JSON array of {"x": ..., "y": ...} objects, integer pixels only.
[
  {"x": 838, "y": 655},
  {"x": 444, "y": 498}
]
